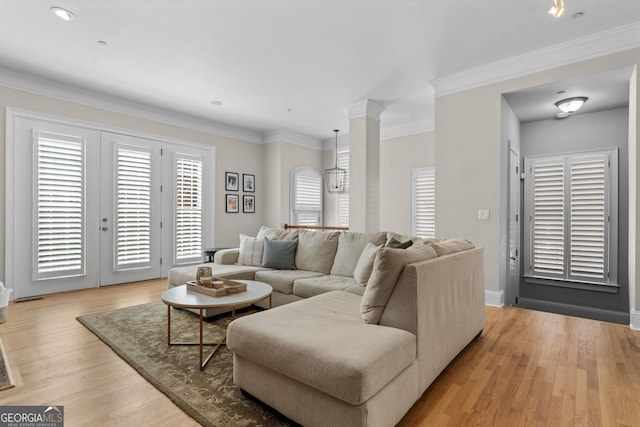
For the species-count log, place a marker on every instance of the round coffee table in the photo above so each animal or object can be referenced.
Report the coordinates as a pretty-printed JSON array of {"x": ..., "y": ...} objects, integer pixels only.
[{"x": 179, "y": 297}]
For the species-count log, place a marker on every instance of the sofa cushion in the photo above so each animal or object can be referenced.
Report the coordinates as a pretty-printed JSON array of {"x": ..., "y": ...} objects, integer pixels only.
[
  {"x": 282, "y": 280},
  {"x": 387, "y": 267},
  {"x": 279, "y": 254},
  {"x": 316, "y": 250},
  {"x": 364, "y": 266},
  {"x": 350, "y": 246},
  {"x": 276, "y": 233},
  {"x": 323, "y": 343},
  {"x": 250, "y": 251},
  {"x": 313, "y": 286},
  {"x": 451, "y": 246}
]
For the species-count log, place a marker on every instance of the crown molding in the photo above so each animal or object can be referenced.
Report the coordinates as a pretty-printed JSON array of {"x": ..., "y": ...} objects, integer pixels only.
[
  {"x": 48, "y": 87},
  {"x": 292, "y": 138},
  {"x": 581, "y": 49},
  {"x": 413, "y": 128},
  {"x": 367, "y": 108}
]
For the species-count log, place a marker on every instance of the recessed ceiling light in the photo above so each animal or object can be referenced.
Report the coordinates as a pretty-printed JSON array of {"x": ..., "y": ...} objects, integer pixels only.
[
  {"x": 102, "y": 42},
  {"x": 63, "y": 14},
  {"x": 216, "y": 103},
  {"x": 577, "y": 15},
  {"x": 289, "y": 109}
]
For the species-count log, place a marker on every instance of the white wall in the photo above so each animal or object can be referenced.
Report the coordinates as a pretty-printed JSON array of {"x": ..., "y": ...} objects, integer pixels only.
[
  {"x": 469, "y": 157},
  {"x": 397, "y": 157},
  {"x": 280, "y": 158}
]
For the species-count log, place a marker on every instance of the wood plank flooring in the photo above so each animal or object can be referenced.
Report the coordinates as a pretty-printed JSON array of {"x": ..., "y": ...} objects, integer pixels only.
[{"x": 527, "y": 369}]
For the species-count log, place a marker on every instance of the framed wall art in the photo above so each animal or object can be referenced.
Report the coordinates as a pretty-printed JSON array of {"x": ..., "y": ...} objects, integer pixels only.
[
  {"x": 248, "y": 183},
  {"x": 231, "y": 181},
  {"x": 232, "y": 203},
  {"x": 248, "y": 204}
]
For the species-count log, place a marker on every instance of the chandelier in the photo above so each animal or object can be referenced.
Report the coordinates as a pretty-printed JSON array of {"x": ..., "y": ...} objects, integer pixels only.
[{"x": 336, "y": 178}]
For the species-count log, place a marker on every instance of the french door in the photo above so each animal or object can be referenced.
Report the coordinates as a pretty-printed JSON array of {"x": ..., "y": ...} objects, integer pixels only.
[
  {"x": 130, "y": 217},
  {"x": 86, "y": 207}
]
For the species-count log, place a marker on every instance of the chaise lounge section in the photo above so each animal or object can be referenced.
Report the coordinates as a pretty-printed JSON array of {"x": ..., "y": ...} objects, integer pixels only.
[{"x": 360, "y": 328}]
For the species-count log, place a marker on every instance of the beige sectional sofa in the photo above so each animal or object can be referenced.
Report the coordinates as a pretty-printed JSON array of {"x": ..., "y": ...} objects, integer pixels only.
[{"x": 350, "y": 351}]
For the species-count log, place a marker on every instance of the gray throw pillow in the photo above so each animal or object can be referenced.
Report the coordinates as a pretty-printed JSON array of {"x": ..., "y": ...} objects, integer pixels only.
[{"x": 279, "y": 254}]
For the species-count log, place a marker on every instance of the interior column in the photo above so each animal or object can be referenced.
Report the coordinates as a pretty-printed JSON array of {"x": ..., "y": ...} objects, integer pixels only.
[{"x": 364, "y": 166}]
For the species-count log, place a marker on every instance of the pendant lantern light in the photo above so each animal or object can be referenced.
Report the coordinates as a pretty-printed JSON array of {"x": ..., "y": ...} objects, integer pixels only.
[{"x": 336, "y": 178}]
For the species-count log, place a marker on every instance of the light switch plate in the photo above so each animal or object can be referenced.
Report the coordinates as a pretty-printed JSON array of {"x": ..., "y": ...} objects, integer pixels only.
[{"x": 483, "y": 214}]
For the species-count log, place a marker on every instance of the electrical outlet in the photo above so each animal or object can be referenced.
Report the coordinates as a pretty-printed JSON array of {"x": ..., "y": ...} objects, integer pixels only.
[{"x": 483, "y": 214}]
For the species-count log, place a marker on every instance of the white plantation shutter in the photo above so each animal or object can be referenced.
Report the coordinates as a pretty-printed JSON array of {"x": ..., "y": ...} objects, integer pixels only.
[
  {"x": 568, "y": 202},
  {"x": 588, "y": 217},
  {"x": 189, "y": 208},
  {"x": 133, "y": 207},
  {"x": 306, "y": 197},
  {"x": 548, "y": 218},
  {"x": 343, "y": 198},
  {"x": 424, "y": 202},
  {"x": 59, "y": 222}
]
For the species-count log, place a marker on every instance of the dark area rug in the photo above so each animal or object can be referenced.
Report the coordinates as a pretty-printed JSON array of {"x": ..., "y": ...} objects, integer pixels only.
[{"x": 139, "y": 335}]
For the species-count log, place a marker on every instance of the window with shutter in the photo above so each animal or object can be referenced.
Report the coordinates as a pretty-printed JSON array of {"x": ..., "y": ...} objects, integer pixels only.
[
  {"x": 133, "y": 207},
  {"x": 423, "y": 199},
  {"x": 343, "y": 198},
  {"x": 60, "y": 206},
  {"x": 568, "y": 207},
  {"x": 306, "y": 197},
  {"x": 189, "y": 208}
]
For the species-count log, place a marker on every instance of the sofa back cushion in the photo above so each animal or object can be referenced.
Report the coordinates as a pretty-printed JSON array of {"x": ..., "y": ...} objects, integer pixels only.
[
  {"x": 451, "y": 246},
  {"x": 350, "y": 247},
  {"x": 316, "y": 250},
  {"x": 250, "y": 251},
  {"x": 276, "y": 233},
  {"x": 387, "y": 267}
]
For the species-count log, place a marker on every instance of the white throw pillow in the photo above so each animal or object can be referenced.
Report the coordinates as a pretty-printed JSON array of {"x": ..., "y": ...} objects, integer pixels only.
[
  {"x": 365, "y": 264},
  {"x": 250, "y": 251}
]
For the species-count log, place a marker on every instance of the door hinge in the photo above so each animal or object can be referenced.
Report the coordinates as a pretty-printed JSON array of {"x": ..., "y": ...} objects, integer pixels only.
[
  {"x": 160, "y": 261},
  {"x": 161, "y": 151},
  {"x": 517, "y": 217},
  {"x": 161, "y": 188},
  {"x": 160, "y": 224}
]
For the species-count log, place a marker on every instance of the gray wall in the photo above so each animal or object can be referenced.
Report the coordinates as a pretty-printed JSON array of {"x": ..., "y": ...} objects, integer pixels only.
[{"x": 607, "y": 129}]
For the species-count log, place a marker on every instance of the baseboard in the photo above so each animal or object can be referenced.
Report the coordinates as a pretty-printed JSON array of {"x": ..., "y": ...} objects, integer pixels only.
[
  {"x": 494, "y": 298},
  {"x": 635, "y": 320},
  {"x": 578, "y": 311}
]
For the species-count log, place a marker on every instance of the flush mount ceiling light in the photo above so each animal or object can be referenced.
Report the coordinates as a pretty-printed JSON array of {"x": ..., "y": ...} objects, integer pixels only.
[
  {"x": 571, "y": 105},
  {"x": 336, "y": 177},
  {"x": 557, "y": 9},
  {"x": 63, "y": 14}
]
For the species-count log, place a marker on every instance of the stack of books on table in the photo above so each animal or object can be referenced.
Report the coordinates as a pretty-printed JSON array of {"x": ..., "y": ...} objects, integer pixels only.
[{"x": 221, "y": 287}]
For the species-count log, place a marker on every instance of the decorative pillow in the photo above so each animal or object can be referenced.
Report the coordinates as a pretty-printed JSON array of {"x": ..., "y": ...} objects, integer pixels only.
[
  {"x": 250, "y": 251},
  {"x": 387, "y": 267},
  {"x": 364, "y": 266},
  {"x": 450, "y": 246},
  {"x": 396, "y": 244},
  {"x": 350, "y": 246},
  {"x": 316, "y": 250},
  {"x": 276, "y": 233},
  {"x": 279, "y": 254}
]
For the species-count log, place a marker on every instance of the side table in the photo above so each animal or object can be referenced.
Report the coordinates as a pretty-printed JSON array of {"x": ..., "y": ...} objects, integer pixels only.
[{"x": 208, "y": 253}]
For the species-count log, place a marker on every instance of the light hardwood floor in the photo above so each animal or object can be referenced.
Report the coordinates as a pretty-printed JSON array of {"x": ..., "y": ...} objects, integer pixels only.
[{"x": 527, "y": 368}]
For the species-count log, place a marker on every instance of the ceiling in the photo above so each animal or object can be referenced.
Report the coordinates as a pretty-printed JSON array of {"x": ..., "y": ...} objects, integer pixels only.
[{"x": 291, "y": 65}]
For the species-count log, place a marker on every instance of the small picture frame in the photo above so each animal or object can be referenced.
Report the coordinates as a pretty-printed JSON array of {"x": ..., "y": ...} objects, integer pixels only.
[
  {"x": 248, "y": 183},
  {"x": 231, "y": 181},
  {"x": 248, "y": 204},
  {"x": 232, "y": 203}
]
